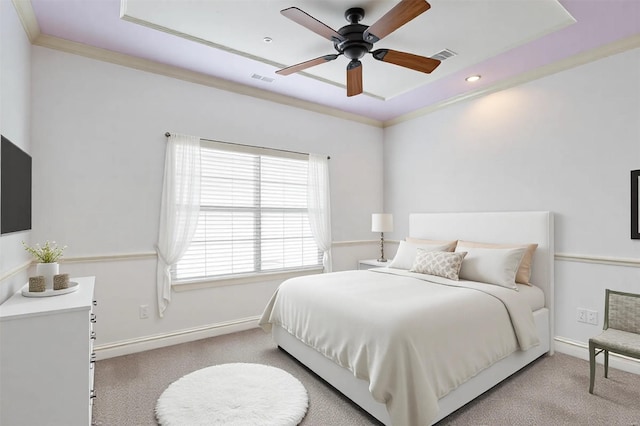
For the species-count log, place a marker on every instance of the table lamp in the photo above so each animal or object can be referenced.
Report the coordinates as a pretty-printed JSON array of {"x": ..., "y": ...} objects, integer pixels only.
[{"x": 381, "y": 222}]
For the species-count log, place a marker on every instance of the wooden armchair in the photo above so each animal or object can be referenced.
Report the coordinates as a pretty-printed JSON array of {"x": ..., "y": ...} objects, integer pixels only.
[{"x": 621, "y": 333}]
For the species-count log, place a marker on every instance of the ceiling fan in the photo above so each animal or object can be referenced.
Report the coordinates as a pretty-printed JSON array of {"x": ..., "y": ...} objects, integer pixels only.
[{"x": 356, "y": 40}]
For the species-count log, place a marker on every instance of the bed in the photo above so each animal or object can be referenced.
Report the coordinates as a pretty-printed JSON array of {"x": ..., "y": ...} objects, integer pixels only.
[{"x": 390, "y": 368}]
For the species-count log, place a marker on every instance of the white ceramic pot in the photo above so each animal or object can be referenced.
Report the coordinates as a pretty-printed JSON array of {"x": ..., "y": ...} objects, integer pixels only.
[{"x": 48, "y": 270}]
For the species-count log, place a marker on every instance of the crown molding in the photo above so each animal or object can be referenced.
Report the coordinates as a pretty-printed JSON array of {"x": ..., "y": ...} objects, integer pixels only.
[
  {"x": 29, "y": 22},
  {"x": 28, "y": 18},
  {"x": 565, "y": 64},
  {"x": 117, "y": 58}
]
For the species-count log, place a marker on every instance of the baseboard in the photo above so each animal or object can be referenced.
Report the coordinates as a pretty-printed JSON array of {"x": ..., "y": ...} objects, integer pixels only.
[
  {"x": 126, "y": 347},
  {"x": 581, "y": 350}
]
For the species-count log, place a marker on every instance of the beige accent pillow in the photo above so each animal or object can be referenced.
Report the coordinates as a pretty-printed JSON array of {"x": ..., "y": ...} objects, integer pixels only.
[
  {"x": 450, "y": 244},
  {"x": 524, "y": 270},
  {"x": 440, "y": 263},
  {"x": 406, "y": 254}
]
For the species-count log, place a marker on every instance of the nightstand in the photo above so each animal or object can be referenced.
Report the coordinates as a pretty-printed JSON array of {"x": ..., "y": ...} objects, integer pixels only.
[{"x": 372, "y": 263}]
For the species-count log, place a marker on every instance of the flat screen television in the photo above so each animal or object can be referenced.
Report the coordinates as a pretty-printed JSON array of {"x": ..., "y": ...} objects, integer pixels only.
[{"x": 15, "y": 188}]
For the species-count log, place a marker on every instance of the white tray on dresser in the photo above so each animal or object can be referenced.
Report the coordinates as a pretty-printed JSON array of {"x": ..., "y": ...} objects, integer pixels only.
[{"x": 73, "y": 286}]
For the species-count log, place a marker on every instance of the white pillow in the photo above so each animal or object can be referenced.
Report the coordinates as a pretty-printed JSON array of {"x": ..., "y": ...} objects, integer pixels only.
[
  {"x": 491, "y": 265},
  {"x": 406, "y": 253}
]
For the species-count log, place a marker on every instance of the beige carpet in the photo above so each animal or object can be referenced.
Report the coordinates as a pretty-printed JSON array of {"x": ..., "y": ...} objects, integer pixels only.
[{"x": 551, "y": 391}]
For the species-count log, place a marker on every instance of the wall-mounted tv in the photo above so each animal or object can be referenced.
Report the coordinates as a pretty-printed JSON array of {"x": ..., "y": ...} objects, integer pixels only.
[{"x": 15, "y": 188}]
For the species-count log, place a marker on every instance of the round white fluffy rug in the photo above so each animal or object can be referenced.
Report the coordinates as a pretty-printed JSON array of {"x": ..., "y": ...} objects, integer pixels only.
[{"x": 234, "y": 394}]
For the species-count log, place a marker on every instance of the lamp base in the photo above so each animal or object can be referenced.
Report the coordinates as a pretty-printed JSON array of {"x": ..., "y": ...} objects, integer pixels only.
[{"x": 382, "y": 260}]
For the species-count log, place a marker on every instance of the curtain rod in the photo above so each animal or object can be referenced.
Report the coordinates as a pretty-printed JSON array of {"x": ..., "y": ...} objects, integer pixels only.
[{"x": 167, "y": 134}]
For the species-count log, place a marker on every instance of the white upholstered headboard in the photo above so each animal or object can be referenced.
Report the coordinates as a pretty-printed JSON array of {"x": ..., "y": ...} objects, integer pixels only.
[{"x": 497, "y": 227}]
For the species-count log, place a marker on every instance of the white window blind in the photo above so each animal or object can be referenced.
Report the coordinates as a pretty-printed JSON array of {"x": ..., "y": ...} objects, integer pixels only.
[{"x": 253, "y": 214}]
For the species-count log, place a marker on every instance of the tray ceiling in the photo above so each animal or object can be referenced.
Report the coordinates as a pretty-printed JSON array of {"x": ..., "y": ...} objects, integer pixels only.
[
  {"x": 220, "y": 43},
  {"x": 474, "y": 30}
]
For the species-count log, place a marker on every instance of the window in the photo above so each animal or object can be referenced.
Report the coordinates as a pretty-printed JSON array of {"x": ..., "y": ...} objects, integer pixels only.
[{"x": 253, "y": 214}]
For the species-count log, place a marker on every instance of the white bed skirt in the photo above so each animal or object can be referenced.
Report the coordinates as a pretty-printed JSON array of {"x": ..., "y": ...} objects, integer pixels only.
[{"x": 358, "y": 390}]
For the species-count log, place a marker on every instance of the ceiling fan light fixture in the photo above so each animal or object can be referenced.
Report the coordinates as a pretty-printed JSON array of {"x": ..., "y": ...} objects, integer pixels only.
[
  {"x": 267, "y": 40},
  {"x": 473, "y": 78}
]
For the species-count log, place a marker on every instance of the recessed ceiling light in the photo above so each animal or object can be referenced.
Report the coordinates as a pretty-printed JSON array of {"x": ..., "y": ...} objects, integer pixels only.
[
  {"x": 472, "y": 78},
  {"x": 267, "y": 39}
]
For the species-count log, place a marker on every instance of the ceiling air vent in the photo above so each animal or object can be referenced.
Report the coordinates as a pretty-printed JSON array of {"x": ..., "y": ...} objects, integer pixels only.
[
  {"x": 444, "y": 54},
  {"x": 263, "y": 78}
]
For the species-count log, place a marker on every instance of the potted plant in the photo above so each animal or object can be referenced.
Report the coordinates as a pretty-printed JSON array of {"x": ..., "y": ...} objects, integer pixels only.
[{"x": 47, "y": 257}]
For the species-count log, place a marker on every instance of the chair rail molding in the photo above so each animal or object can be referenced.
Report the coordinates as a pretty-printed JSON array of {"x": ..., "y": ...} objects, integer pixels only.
[
  {"x": 22, "y": 267},
  {"x": 564, "y": 257},
  {"x": 602, "y": 260}
]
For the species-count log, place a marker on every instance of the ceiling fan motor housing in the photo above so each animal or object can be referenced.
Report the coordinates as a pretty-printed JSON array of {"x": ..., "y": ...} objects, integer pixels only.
[{"x": 354, "y": 47}]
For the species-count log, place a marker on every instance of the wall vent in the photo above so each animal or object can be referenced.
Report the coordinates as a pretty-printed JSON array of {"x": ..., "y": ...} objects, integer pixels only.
[{"x": 444, "y": 54}]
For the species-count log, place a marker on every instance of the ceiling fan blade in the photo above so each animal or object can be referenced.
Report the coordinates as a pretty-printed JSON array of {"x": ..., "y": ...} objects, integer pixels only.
[
  {"x": 311, "y": 23},
  {"x": 307, "y": 64},
  {"x": 354, "y": 78},
  {"x": 407, "y": 60},
  {"x": 399, "y": 15}
]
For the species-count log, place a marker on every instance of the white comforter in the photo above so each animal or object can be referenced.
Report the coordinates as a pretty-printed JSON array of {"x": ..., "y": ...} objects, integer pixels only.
[{"x": 413, "y": 340}]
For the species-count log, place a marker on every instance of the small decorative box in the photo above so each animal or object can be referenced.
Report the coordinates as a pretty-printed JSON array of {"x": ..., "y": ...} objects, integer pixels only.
[
  {"x": 36, "y": 284},
  {"x": 60, "y": 281}
]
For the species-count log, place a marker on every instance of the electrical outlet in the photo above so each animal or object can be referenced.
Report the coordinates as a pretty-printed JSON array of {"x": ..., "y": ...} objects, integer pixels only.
[
  {"x": 582, "y": 315},
  {"x": 592, "y": 317},
  {"x": 144, "y": 311}
]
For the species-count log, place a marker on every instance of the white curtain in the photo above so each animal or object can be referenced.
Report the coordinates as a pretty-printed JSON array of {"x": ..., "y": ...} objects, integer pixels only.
[
  {"x": 319, "y": 205},
  {"x": 180, "y": 209}
]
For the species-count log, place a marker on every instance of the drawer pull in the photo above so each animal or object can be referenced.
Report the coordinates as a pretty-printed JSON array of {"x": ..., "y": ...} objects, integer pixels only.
[
  {"x": 93, "y": 317},
  {"x": 93, "y": 335}
]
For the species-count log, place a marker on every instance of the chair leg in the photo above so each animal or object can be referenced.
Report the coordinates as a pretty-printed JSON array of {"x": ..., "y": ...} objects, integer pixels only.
[
  {"x": 606, "y": 364},
  {"x": 592, "y": 365}
]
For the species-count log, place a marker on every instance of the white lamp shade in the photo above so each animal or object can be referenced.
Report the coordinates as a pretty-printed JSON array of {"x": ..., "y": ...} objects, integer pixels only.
[{"x": 381, "y": 222}]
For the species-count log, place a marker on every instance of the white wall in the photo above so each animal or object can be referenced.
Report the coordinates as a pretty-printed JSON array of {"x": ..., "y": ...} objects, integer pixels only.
[
  {"x": 98, "y": 137},
  {"x": 15, "y": 87},
  {"x": 564, "y": 143}
]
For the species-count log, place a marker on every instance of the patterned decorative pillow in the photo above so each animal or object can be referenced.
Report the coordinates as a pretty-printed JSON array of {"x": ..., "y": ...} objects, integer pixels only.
[{"x": 441, "y": 263}]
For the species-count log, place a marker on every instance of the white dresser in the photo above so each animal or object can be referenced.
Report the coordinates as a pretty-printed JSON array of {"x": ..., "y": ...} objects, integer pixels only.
[{"x": 46, "y": 358}]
